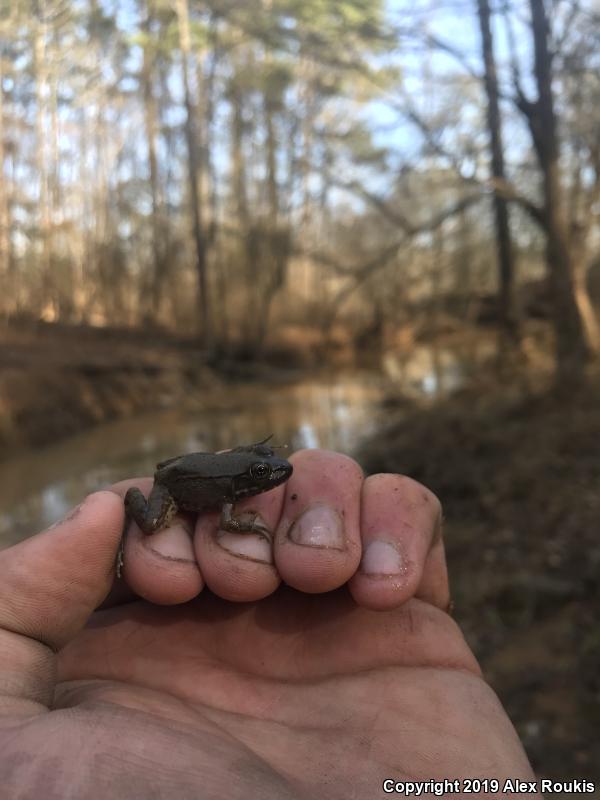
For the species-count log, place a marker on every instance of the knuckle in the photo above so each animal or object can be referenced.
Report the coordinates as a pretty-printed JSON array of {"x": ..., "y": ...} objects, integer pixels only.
[
  {"x": 326, "y": 459},
  {"x": 413, "y": 492}
]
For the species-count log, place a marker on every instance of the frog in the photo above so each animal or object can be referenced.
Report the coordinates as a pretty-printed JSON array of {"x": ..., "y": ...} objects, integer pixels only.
[{"x": 196, "y": 482}]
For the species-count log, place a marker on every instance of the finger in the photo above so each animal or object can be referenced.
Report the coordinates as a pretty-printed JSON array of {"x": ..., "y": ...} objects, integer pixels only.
[
  {"x": 240, "y": 566},
  {"x": 403, "y": 554},
  {"x": 434, "y": 587},
  {"x": 51, "y": 583},
  {"x": 162, "y": 567},
  {"x": 317, "y": 545}
]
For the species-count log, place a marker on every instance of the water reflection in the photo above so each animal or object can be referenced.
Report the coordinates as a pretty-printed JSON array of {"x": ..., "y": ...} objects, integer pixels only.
[
  {"x": 53, "y": 502},
  {"x": 307, "y": 436},
  {"x": 434, "y": 371},
  {"x": 333, "y": 412}
]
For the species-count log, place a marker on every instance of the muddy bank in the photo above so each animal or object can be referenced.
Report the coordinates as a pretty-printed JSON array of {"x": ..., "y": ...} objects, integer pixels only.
[
  {"x": 58, "y": 380},
  {"x": 519, "y": 476}
]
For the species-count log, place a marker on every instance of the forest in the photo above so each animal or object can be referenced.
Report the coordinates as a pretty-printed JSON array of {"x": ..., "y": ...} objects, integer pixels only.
[
  {"x": 363, "y": 225},
  {"x": 229, "y": 170}
]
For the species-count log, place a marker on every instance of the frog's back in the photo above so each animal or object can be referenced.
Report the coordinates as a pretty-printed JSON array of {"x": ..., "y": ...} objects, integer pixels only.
[
  {"x": 201, "y": 465},
  {"x": 189, "y": 456},
  {"x": 196, "y": 481}
]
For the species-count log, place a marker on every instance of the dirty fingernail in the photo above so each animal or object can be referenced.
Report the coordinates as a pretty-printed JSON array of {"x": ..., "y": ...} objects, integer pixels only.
[
  {"x": 174, "y": 543},
  {"x": 246, "y": 545},
  {"x": 381, "y": 558},
  {"x": 319, "y": 526}
]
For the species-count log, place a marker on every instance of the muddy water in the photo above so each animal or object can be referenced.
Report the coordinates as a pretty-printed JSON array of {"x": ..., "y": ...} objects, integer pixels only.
[{"x": 329, "y": 411}]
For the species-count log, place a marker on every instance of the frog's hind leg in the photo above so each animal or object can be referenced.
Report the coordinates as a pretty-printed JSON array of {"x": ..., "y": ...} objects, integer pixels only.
[
  {"x": 151, "y": 515},
  {"x": 246, "y": 522}
]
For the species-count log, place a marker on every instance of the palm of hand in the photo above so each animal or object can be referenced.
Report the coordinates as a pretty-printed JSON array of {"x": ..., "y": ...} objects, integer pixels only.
[{"x": 296, "y": 696}]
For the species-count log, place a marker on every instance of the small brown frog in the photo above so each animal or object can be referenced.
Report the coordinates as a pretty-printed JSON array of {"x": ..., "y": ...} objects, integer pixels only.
[{"x": 199, "y": 481}]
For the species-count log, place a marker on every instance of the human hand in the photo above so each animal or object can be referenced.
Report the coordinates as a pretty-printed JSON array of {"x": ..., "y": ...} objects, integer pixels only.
[{"x": 299, "y": 694}]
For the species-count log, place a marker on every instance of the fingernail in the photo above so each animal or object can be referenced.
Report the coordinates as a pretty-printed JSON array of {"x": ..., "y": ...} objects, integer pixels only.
[
  {"x": 246, "y": 545},
  {"x": 319, "y": 526},
  {"x": 381, "y": 558},
  {"x": 174, "y": 543}
]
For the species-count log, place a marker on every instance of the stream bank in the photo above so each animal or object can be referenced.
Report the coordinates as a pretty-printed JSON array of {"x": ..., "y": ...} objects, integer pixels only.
[{"x": 59, "y": 380}]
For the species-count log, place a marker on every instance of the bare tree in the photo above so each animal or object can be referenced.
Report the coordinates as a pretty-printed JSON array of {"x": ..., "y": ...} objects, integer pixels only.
[
  {"x": 194, "y": 174},
  {"x": 5, "y": 241},
  {"x": 506, "y": 262},
  {"x": 159, "y": 249},
  {"x": 575, "y": 325}
]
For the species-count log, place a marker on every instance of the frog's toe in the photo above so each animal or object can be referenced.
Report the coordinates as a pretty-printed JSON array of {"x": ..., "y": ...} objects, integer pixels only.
[
  {"x": 248, "y": 522},
  {"x": 259, "y": 527}
]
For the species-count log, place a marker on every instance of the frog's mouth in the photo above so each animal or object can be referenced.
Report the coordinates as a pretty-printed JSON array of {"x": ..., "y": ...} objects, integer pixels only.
[
  {"x": 281, "y": 474},
  {"x": 278, "y": 475}
]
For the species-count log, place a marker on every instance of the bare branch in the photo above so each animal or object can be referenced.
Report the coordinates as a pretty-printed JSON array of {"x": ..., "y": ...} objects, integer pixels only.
[
  {"x": 520, "y": 100},
  {"x": 361, "y": 272},
  {"x": 455, "y": 52},
  {"x": 574, "y": 13},
  {"x": 504, "y": 188},
  {"x": 509, "y": 192},
  {"x": 391, "y": 214}
]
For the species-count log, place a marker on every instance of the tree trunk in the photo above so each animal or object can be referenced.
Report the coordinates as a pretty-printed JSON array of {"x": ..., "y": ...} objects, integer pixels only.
[
  {"x": 248, "y": 239},
  {"x": 206, "y": 75},
  {"x": 238, "y": 160},
  {"x": 276, "y": 241},
  {"x": 573, "y": 343},
  {"x": 309, "y": 113},
  {"x": 5, "y": 246},
  {"x": 159, "y": 262},
  {"x": 47, "y": 299},
  {"x": 194, "y": 174},
  {"x": 271, "y": 165},
  {"x": 508, "y": 313}
]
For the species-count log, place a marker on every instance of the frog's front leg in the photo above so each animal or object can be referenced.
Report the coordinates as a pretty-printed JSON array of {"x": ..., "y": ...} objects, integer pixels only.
[
  {"x": 246, "y": 522},
  {"x": 151, "y": 515}
]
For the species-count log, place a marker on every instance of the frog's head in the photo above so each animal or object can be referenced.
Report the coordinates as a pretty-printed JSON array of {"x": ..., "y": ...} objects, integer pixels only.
[{"x": 258, "y": 469}]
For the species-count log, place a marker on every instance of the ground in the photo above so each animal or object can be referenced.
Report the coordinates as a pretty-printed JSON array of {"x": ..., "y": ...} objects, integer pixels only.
[{"x": 57, "y": 380}]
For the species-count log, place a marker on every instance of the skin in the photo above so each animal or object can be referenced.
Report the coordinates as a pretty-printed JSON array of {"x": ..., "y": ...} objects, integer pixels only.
[{"x": 170, "y": 691}]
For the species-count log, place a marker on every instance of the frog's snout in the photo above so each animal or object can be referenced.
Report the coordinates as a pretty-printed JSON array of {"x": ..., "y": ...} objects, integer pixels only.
[{"x": 281, "y": 471}]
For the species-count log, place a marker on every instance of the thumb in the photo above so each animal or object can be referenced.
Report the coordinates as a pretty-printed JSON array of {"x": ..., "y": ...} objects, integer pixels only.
[{"x": 49, "y": 586}]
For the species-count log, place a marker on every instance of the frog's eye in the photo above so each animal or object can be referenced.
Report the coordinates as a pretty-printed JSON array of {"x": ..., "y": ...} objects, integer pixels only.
[{"x": 260, "y": 470}]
